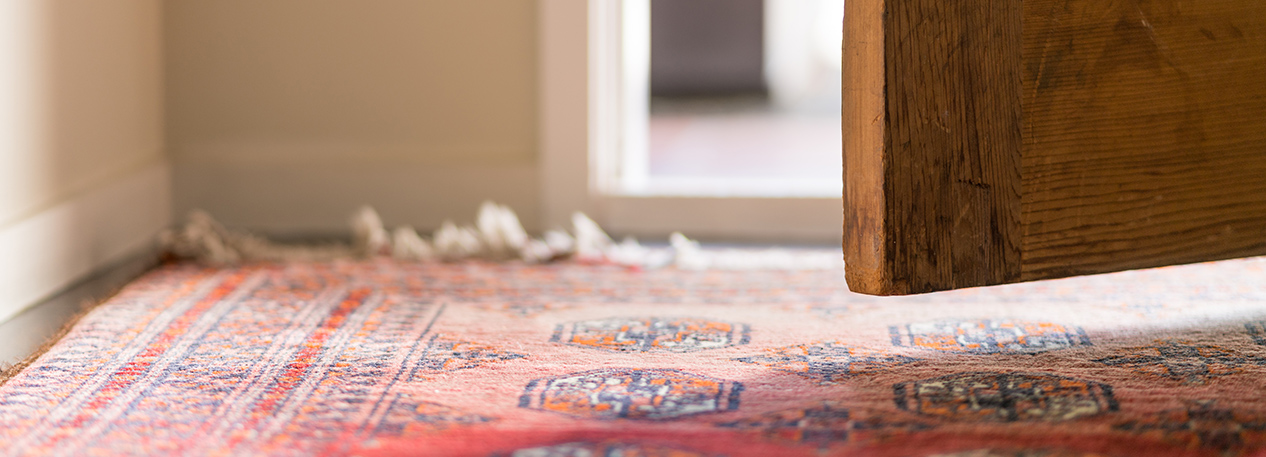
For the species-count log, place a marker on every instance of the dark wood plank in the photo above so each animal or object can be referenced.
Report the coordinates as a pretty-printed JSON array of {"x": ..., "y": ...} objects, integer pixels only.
[
  {"x": 1144, "y": 133},
  {"x": 1099, "y": 136},
  {"x": 932, "y": 107}
]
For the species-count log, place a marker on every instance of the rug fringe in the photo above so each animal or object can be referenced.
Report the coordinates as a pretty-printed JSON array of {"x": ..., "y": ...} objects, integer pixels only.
[{"x": 497, "y": 235}]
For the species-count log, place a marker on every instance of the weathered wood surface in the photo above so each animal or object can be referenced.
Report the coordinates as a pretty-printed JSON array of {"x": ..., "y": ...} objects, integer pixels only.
[
  {"x": 864, "y": 124},
  {"x": 932, "y": 97},
  {"x": 992, "y": 142},
  {"x": 1144, "y": 133}
]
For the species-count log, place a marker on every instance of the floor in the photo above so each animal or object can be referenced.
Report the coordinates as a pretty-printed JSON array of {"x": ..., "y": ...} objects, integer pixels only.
[
  {"x": 747, "y": 146},
  {"x": 27, "y": 332}
]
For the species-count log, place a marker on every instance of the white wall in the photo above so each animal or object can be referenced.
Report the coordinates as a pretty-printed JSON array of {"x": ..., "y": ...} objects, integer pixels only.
[
  {"x": 83, "y": 176},
  {"x": 285, "y": 115}
]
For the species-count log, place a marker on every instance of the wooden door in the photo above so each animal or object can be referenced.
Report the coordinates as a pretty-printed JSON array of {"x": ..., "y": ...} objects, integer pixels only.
[{"x": 997, "y": 141}]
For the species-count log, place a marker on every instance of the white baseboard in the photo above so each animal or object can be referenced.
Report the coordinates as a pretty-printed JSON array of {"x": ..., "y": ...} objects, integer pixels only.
[
  {"x": 45, "y": 253},
  {"x": 28, "y": 331}
]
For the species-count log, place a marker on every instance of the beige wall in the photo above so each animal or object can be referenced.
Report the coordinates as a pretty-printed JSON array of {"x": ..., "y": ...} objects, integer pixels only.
[
  {"x": 81, "y": 84},
  {"x": 83, "y": 175},
  {"x": 284, "y": 115}
]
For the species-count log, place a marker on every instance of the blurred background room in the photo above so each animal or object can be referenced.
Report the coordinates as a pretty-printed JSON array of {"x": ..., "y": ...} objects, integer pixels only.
[{"x": 717, "y": 118}]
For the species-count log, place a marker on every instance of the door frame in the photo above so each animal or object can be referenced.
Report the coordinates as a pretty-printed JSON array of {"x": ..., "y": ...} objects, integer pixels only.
[{"x": 580, "y": 134}]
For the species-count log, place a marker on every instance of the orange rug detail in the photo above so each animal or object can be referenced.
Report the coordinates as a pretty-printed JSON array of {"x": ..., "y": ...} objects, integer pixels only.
[{"x": 380, "y": 358}]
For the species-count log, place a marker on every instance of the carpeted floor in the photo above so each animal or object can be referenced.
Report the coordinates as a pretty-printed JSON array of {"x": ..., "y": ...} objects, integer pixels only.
[{"x": 379, "y": 358}]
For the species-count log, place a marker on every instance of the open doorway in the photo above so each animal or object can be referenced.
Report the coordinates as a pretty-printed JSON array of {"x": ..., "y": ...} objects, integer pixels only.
[
  {"x": 596, "y": 79},
  {"x": 731, "y": 98}
]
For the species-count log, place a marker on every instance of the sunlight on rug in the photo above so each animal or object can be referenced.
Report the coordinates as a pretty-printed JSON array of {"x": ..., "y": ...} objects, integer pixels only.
[{"x": 383, "y": 357}]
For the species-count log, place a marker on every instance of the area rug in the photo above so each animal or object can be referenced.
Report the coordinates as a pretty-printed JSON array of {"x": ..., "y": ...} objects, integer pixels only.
[{"x": 389, "y": 358}]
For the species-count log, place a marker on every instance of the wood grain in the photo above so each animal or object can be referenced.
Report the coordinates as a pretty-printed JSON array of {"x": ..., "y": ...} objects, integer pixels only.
[
  {"x": 1144, "y": 133},
  {"x": 932, "y": 165},
  {"x": 864, "y": 123},
  {"x": 991, "y": 142}
]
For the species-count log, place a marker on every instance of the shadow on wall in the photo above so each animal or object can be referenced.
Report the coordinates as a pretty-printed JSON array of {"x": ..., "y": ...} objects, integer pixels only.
[
  {"x": 83, "y": 180},
  {"x": 82, "y": 88}
]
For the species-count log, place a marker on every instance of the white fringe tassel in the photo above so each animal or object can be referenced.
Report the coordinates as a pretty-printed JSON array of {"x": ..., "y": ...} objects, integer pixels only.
[{"x": 497, "y": 235}]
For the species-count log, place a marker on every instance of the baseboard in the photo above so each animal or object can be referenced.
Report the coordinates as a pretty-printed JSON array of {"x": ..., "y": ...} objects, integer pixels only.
[
  {"x": 28, "y": 332},
  {"x": 46, "y": 253}
]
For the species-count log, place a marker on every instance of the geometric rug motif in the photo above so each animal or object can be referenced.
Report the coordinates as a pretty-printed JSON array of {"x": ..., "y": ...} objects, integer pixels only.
[
  {"x": 443, "y": 354},
  {"x": 655, "y": 394},
  {"x": 1184, "y": 361},
  {"x": 605, "y": 449},
  {"x": 827, "y": 362},
  {"x": 1005, "y": 397},
  {"x": 648, "y": 334},
  {"x": 407, "y": 417},
  {"x": 987, "y": 336},
  {"x": 383, "y": 358},
  {"x": 1203, "y": 425},
  {"x": 1036, "y": 452},
  {"x": 524, "y": 308},
  {"x": 829, "y": 423},
  {"x": 1257, "y": 330}
]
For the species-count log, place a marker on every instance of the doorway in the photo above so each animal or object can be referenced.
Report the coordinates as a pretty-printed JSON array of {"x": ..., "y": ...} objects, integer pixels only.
[
  {"x": 597, "y": 111},
  {"x": 741, "y": 98}
]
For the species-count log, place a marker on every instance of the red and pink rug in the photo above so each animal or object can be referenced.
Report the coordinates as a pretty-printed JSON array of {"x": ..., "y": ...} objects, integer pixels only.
[{"x": 380, "y": 358}]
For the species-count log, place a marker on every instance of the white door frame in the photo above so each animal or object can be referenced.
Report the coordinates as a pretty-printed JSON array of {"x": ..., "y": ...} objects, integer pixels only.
[{"x": 580, "y": 137}]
